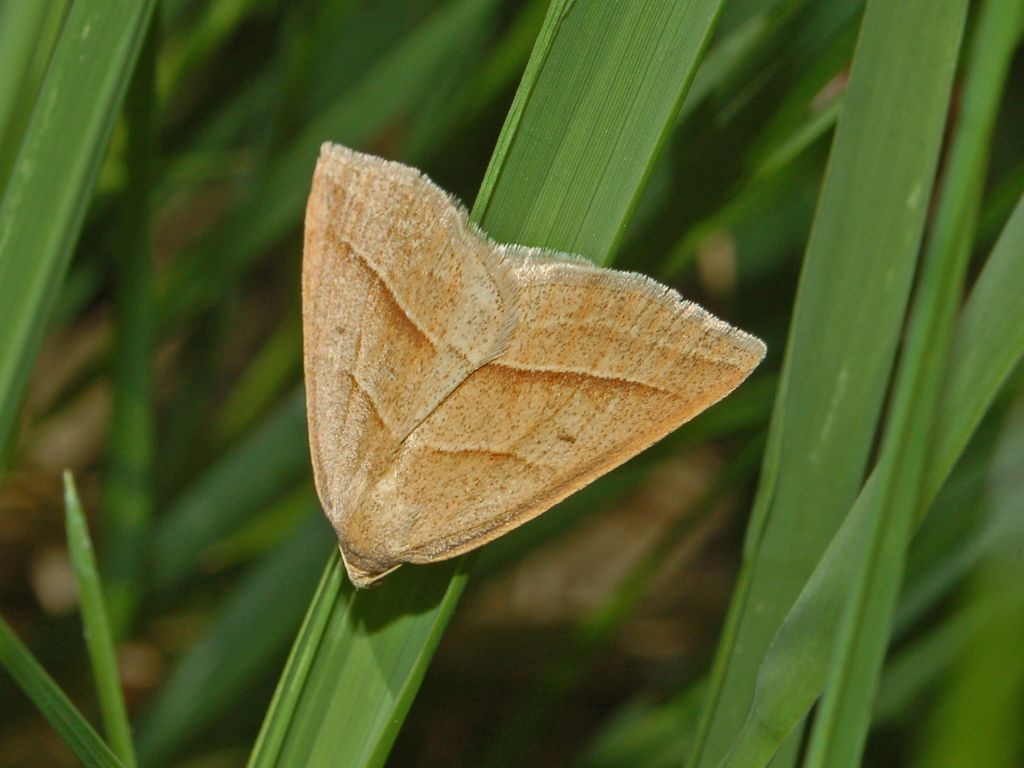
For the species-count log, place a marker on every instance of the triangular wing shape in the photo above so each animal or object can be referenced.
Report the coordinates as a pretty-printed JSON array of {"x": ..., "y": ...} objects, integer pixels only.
[
  {"x": 601, "y": 365},
  {"x": 401, "y": 301}
]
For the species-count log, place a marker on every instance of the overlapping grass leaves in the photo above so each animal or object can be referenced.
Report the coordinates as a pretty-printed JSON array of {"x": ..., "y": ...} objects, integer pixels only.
[{"x": 851, "y": 300}]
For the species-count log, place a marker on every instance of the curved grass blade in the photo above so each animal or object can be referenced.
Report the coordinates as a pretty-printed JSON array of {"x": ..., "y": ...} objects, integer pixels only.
[
  {"x": 98, "y": 636},
  {"x": 55, "y": 706},
  {"x": 625, "y": 75},
  {"x": 46, "y": 198}
]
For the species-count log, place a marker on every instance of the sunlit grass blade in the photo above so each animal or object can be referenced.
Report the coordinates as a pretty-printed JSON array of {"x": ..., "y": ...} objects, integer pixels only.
[
  {"x": 575, "y": 190},
  {"x": 128, "y": 491},
  {"x": 603, "y": 73},
  {"x": 53, "y": 176},
  {"x": 97, "y": 629},
  {"x": 51, "y": 701},
  {"x": 850, "y": 305}
]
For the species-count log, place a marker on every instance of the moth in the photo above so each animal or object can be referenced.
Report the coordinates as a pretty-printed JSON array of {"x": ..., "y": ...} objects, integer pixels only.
[{"x": 457, "y": 387}]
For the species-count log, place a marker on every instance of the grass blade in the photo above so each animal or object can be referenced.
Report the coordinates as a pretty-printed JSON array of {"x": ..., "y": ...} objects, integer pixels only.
[
  {"x": 55, "y": 706},
  {"x": 27, "y": 34},
  {"x": 46, "y": 198},
  {"x": 850, "y": 305},
  {"x": 841, "y": 726},
  {"x": 289, "y": 689},
  {"x": 796, "y": 664},
  {"x": 128, "y": 491},
  {"x": 575, "y": 190},
  {"x": 361, "y": 671},
  {"x": 98, "y": 636}
]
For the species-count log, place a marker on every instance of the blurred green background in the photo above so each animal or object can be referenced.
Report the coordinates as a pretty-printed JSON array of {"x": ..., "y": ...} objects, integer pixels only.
[{"x": 154, "y": 163}]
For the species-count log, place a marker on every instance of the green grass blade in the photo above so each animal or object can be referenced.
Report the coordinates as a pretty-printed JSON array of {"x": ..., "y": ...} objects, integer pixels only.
[
  {"x": 27, "y": 35},
  {"x": 98, "y": 636},
  {"x": 843, "y": 718},
  {"x": 251, "y": 630},
  {"x": 293, "y": 680},
  {"x": 805, "y": 640},
  {"x": 575, "y": 190},
  {"x": 624, "y": 76},
  {"x": 46, "y": 198},
  {"x": 988, "y": 344},
  {"x": 796, "y": 665},
  {"x": 127, "y": 490},
  {"x": 368, "y": 664},
  {"x": 55, "y": 706},
  {"x": 850, "y": 305}
]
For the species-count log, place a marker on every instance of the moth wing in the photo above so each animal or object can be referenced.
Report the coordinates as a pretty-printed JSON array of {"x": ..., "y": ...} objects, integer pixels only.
[
  {"x": 601, "y": 365},
  {"x": 400, "y": 303}
]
